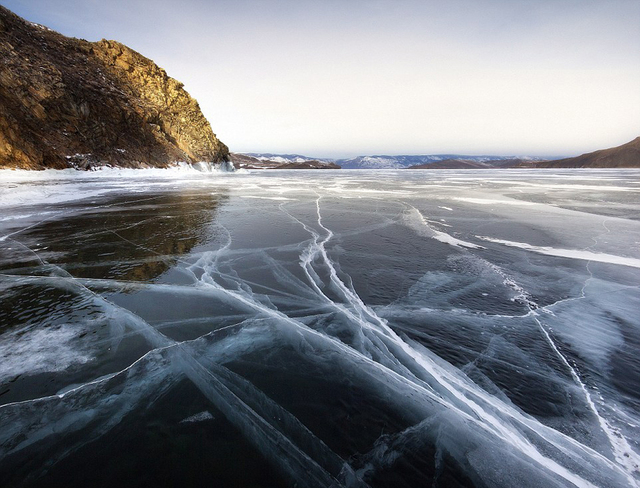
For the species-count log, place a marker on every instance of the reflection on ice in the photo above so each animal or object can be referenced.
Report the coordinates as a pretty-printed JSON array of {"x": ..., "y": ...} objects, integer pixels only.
[{"x": 329, "y": 340}]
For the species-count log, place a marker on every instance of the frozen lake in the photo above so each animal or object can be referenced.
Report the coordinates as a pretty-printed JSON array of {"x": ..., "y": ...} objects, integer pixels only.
[{"x": 325, "y": 328}]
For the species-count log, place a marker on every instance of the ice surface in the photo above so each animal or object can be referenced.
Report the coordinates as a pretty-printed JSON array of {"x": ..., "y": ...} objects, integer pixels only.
[
  {"x": 333, "y": 321},
  {"x": 569, "y": 253}
]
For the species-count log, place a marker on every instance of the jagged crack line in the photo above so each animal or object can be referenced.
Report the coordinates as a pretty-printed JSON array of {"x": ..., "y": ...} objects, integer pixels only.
[
  {"x": 296, "y": 464},
  {"x": 622, "y": 451},
  {"x": 445, "y": 379}
]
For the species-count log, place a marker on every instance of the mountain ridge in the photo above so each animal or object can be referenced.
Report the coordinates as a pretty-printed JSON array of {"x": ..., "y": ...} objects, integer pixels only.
[
  {"x": 400, "y": 161},
  {"x": 406, "y": 161},
  {"x": 294, "y": 161},
  {"x": 623, "y": 156}
]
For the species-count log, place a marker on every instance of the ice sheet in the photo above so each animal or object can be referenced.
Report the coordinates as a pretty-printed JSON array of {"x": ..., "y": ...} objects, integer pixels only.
[{"x": 331, "y": 329}]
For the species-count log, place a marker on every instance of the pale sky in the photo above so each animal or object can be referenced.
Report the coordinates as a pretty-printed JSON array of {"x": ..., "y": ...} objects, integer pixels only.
[{"x": 340, "y": 78}]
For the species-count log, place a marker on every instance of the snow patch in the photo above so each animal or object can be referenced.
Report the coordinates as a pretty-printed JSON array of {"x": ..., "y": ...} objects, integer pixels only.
[
  {"x": 569, "y": 253},
  {"x": 199, "y": 417},
  {"x": 41, "y": 350},
  {"x": 492, "y": 201},
  {"x": 417, "y": 222}
]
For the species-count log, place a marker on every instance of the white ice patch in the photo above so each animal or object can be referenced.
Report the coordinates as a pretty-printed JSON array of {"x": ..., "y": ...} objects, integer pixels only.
[
  {"x": 417, "y": 222},
  {"x": 568, "y": 186},
  {"x": 493, "y": 201},
  {"x": 569, "y": 253},
  {"x": 23, "y": 216},
  {"x": 46, "y": 194},
  {"x": 522, "y": 296},
  {"x": 22, "y": 187},
  {"x": 43, "y": 350},
  {"x": 266, "y": 198},
  {"x": 199, "y": 417}
]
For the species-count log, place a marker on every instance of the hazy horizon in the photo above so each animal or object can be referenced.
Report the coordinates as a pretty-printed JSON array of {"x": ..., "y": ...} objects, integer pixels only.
[
  {"x": 339, "y": 79},
  {"x": 397, "y": 154}
]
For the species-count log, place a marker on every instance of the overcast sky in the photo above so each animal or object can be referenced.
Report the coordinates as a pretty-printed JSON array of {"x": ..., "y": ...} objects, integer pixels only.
[{"x": 345, "y": 77}]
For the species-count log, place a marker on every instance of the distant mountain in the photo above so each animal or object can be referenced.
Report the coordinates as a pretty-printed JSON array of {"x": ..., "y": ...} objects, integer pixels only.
[
  {"x": 284, "y": 158},
  {"x": 66, "y": 102},
  {"x": 625, "y": 156},
  {"x": 450, "y": 164},
  {"x": 470, "y": 164},
  {"x": 294, "y": 161},
  {"x": 443, "y": 160},
  {"x": 431, "y": 161}
]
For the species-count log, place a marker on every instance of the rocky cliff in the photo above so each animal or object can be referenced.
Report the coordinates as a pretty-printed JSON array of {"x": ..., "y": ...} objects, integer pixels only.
[{"x": 69, "y": 102}]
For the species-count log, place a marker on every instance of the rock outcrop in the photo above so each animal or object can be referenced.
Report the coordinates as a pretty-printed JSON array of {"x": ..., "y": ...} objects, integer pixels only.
[{"x": 69, "y": 102}]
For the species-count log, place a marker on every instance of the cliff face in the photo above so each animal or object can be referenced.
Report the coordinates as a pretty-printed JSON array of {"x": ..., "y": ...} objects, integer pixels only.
[
  {"x": 69, "y": 102},
  {"x": 625, "y": 156}
]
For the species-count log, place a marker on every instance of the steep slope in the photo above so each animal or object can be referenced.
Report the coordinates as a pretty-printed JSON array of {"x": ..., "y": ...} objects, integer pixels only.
[
  {"x": 69, "y": 102},
  {"x": 625, "y": 156}
]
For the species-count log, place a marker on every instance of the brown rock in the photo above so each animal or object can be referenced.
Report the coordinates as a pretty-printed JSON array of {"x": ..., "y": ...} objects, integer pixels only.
[
  {"x": 66, "y": 101},
  {"x": 625, "y": 156}
]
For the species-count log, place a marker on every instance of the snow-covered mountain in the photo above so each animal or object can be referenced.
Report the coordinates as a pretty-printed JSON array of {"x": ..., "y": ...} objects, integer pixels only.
[
  {"x": 405, "y": 161},
  {"x": 286, "y": 158},
  {"x": 278, "y": 161}
]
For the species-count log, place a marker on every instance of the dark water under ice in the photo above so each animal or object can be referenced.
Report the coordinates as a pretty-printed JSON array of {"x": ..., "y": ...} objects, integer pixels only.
[{"x": 329, "y": 328}]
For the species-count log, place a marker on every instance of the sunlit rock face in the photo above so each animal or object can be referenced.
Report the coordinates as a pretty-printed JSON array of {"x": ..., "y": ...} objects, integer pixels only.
[{"x": 69, "y": 102}]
